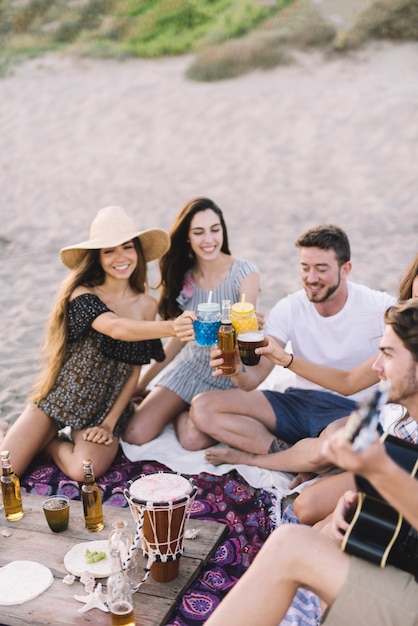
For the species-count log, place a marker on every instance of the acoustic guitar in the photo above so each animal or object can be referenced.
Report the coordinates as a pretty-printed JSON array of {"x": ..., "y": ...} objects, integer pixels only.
[{"x": 377, "y": 532}]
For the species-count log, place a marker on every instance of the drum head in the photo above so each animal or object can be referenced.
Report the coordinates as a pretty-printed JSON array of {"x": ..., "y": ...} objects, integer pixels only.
[{"x": 162, "y": 489}]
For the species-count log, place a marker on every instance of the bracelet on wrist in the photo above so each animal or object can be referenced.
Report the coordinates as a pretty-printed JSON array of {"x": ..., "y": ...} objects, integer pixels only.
[{"x": 290, "y": 362}]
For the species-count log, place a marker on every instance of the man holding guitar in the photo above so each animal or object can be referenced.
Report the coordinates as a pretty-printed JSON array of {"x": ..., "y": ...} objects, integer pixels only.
[{"x": 355, "y": 590}]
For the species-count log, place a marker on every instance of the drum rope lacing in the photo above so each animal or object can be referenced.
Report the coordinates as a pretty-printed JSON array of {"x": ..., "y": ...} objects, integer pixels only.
[{"x": 154, "y": 554}]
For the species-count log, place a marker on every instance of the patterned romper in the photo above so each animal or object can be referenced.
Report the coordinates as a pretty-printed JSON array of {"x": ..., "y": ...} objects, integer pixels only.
[
  {"x": 95, "y": 370},
  {"x": 189, "y": 373}
]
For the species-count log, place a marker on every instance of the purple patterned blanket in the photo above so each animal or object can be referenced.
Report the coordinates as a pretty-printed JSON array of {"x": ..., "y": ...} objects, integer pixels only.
[{"x": 227, "y": 499}]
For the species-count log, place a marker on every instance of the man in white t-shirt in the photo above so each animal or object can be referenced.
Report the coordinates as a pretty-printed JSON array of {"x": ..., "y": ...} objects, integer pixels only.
[
  {"x": 331, "y": 321},
  {"x": 374, "y": 580}
]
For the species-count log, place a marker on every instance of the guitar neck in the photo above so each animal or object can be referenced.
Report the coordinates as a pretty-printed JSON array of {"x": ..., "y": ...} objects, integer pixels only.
[{"x": 362, "y": 424}]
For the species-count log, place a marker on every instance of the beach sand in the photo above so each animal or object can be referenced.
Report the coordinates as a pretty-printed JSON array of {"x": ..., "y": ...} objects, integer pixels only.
[{"x": 279, "y": 151}]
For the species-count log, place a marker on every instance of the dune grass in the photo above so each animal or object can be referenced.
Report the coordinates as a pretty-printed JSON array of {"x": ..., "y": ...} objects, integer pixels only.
[
  {"x": 396, "y": 20},
  {"x": 298, "y": 25},
  {"x": 227, "y": 37},
  {"x": 125, "y": 28}
]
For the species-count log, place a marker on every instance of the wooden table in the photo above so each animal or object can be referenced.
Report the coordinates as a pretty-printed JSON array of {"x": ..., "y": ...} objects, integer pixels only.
[{"x": 32, "y": 540}]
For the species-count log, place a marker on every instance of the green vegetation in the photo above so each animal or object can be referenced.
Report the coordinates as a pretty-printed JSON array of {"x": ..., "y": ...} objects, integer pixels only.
[
  {"x": 298, "y": 25},
  {"x": 125, "y": 28},
  {"x": 227, "y": 37},
  {"x": 387, "y": 19}
]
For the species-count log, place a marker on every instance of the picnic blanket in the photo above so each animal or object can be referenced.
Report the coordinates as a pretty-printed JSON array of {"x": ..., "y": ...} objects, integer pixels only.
[
  {"x": 227, "y": 499},
  {"x": 249, "y": 512}
]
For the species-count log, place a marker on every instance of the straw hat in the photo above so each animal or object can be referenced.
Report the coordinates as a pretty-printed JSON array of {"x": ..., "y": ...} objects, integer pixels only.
[{"x": 113, "y": 227}]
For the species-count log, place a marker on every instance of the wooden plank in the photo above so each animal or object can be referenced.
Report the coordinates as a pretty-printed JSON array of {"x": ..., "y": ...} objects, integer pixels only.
[
  {"x": 57, "y": 607},
  {"x": 31, "y": 539}
]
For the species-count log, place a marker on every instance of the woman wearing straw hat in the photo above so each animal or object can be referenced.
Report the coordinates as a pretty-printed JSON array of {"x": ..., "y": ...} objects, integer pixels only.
[{"x": 101, "y": 331}]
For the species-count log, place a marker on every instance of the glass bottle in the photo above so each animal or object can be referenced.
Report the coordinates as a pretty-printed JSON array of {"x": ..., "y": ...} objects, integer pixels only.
[
  {"x": 10, "y": 489},
  {"x": 92, "y": 499},
  {"x": 119, "y": 595},
  {"x": 120, "y": 538},
  {"x": 243, "y": 317},
  {"x": 227, "y": 339}
]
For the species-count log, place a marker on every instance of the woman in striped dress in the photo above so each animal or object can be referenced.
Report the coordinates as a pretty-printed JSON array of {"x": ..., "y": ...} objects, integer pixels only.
[{"x": 198, "y": 261}]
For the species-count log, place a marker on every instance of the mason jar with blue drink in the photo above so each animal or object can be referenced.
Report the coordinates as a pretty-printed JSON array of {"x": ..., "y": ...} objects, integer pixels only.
[{"x": 207, "y": 323}]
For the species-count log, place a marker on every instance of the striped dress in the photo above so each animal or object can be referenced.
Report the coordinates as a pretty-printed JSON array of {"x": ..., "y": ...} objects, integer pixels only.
[{"x": 189, "y": 372}]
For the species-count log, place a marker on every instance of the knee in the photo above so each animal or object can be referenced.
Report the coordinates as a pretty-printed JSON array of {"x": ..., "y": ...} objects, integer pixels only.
[
  {"x": 191, "y": 439},
  {"x": 130, "y": 434},
  {"x": 305, "y": 508},
  {"x": 201, "y": 411},
  {"x": 281, "y": 544}
]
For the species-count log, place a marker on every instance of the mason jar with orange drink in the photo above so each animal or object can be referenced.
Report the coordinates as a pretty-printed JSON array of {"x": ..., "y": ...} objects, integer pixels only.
[{"x": 243, "y": 317}]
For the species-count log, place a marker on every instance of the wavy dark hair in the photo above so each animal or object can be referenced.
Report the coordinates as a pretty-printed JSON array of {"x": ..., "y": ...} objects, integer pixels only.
[
  {"x": 403, "y": 318},
  {"x": 180, "y": 257}
]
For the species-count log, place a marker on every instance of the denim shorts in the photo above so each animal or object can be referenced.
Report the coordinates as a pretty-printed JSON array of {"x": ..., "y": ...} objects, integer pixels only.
[{"x": 302, "y": 413}]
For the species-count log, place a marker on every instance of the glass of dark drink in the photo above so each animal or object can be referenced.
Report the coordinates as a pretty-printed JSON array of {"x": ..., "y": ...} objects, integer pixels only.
[{"x": 247, "y": 343}]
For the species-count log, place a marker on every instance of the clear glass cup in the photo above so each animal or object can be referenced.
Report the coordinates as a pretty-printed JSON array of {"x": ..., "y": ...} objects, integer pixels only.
[{"x": 57, "y": 512}]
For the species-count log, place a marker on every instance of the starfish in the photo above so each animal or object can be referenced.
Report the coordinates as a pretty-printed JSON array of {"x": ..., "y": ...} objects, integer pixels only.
[{"x": 94, "y": 600}]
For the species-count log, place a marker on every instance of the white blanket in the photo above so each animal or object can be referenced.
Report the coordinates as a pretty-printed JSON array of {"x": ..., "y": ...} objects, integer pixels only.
[{"x": 167, "y": 450}]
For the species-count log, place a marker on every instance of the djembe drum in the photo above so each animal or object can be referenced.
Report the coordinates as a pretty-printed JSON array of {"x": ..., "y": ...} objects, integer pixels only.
[{"x": 160, "y": 504}]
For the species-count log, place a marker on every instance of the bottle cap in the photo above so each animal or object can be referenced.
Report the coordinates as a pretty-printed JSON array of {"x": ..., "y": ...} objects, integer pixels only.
[
  {"x": 242, "y": 308},
  {"x": 119, "y": 523},
  {"x": 208, "y": 307}
]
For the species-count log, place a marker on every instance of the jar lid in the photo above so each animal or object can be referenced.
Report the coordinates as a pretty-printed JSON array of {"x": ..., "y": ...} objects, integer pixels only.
[
  {"x": 209, "y": 307},
  {"x": 242, "y": 308}
]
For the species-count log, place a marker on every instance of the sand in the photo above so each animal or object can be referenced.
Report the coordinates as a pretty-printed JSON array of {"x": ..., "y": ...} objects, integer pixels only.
[{"x": 279, "y": 151}]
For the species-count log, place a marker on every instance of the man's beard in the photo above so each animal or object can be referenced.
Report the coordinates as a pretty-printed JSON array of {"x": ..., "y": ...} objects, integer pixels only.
[
  {"x": 328, "y": 293},
  {"x": 406, "y": 388}
]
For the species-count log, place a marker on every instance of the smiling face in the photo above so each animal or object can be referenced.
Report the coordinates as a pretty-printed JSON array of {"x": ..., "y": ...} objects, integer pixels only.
[
  {"x": 205, "y": 235},
  {"x": 120, "y": 261},
  {"x": 396, "y": 364},
  {"x": 323, "y": 278}
]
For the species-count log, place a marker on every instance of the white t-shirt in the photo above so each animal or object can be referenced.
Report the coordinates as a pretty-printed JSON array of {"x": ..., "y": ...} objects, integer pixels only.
[{"x": 342, "y": 341}]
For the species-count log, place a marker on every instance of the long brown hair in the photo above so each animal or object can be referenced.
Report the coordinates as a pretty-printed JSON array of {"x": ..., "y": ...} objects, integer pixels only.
[
  {"x": 89, "y": 273},
  {"x": 405, "y": 287},
  {"x": 180, "y": 257}
]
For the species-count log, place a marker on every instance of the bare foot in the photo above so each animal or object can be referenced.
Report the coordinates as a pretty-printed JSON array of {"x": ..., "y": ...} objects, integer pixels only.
[
  {"x": 300, "y": 478},
  {"x": 224, "y": 454}
]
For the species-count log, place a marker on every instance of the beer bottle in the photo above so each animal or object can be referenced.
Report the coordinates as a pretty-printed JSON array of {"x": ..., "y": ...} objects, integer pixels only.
[
  {"x": 10, "y": 489},
  {"x": 227, "y": 339},
  {"x": 92, "y": 499}
]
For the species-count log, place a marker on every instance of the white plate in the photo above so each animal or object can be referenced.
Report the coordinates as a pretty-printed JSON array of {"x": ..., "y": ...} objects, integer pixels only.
[
  {"x": 75, "y": 560},
  {"x": 21, "y": 581}
]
